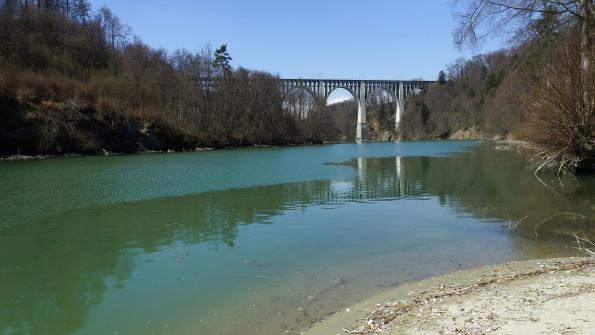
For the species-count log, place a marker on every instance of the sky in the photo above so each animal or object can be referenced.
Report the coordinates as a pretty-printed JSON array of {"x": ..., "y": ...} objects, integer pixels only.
[{"x": 332, "y": 39}]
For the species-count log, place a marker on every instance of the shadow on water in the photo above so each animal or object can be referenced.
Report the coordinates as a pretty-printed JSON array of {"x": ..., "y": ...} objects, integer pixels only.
[{"x": 53, "y": 270}]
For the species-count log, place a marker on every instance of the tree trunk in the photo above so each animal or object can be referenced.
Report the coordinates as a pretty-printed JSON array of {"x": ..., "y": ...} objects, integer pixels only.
[{"x": 585, "y": 51}]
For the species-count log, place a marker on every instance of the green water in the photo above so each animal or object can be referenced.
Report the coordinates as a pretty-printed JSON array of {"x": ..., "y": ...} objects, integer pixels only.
[{"x": 262, "y": 241}]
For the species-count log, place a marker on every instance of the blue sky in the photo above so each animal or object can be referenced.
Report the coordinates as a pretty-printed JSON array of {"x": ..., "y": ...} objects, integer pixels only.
[{"x": 373, "y": 39}]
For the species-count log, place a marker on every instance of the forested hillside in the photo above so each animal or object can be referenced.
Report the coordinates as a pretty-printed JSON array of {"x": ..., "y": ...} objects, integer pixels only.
[
  {"x": 476, "y": 98},
  {"x": 541, "y": 89},
  {"x": 75, "y": 80}
]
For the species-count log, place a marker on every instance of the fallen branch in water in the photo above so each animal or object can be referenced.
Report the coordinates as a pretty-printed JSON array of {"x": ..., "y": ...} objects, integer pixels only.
[
  {"x": 553, "y": 216},
  {"x": 584, "y": 245},
  {"x": 512, "y": 226}
]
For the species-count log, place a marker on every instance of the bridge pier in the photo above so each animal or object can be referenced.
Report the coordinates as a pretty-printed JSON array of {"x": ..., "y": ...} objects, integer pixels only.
[
  {"x": 400, "y": 106},
  {"x": 397, "y": 116},
  {"x": 361, "y": 133}
]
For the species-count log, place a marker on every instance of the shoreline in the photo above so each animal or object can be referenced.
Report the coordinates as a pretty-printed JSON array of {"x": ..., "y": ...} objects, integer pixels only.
[
  {"x": 496, "y": 299},
  {"x": 19, "y": 157}
]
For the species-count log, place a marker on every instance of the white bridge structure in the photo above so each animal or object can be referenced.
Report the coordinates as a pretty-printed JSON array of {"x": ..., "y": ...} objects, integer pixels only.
[{"x": 360, "y": 90}]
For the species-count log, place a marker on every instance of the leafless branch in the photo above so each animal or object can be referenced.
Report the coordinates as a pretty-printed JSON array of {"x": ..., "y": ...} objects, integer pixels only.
[{"x": 584, "y": 244}]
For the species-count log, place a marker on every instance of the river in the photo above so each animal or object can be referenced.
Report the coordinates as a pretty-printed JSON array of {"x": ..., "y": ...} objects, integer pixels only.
[{"x": 263, "y": 241}]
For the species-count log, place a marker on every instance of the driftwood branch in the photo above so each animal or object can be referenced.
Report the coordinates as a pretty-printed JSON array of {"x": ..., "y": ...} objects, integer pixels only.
[
  {"x": 555, "y": 215},
  {"x": 584, "y": 244}
]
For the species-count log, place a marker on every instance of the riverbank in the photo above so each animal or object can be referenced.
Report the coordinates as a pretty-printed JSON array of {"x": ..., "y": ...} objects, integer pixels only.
[
  {"x": 499, "y": 144},
  {"x": 551, "y": 296},
  {"x": 33, "y": 129},
  {"x": 20, "y": 157}
]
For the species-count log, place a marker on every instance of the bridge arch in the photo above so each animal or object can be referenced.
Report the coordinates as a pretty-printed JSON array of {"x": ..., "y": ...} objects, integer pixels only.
[
  {"x": 300, "y": 101},
  {"x": 377, "y": 99},
  {"x": 384, "y": 90},
  {"x": 296, "y": 89},
  {"x": 338, "y": 89}
]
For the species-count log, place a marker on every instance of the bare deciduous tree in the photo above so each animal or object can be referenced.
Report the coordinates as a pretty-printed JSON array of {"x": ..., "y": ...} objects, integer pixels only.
[
  {"x": 115, "y": 31},
  {"x": 528, "y": 21},
  {"x": 190, "y": 98},
  {"x": 478, "y": 19}
]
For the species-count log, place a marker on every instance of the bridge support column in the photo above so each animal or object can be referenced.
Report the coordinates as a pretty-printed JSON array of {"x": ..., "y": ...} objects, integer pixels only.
[
  {"x": 400, "y": 107},
  {"x": 321, "y": 90},
  {"x": 397, "y": 115},
  {"x": 362, "y": 125}
]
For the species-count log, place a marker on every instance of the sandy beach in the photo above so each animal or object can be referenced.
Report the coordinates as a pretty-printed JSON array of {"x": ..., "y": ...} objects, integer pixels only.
[{"x": 554, "y": 296}]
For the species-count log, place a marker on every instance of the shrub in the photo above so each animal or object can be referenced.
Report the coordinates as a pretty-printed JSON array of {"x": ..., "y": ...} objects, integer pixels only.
[{"x": 558, "y": 121}]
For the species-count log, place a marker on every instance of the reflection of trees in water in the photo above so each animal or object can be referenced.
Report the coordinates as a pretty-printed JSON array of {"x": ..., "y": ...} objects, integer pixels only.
[
  {"x": 48, "y": 280},
  {"x": 488, "y": 185},
  {"x": 499, "y": 186},
  {"x": 491, "y": 185},
  {"x": 53, "y": 270}
]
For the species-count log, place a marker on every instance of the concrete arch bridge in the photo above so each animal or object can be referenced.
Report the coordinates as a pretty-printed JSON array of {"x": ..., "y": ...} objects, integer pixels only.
[{"x": 360, "y": 90}]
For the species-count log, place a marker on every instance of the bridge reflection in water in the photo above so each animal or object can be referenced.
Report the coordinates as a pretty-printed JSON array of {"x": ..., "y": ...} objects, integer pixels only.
[{"x": 377, "y": 179}]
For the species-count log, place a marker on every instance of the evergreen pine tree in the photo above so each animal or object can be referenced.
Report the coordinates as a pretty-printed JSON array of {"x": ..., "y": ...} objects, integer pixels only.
[
  {"x": 441, "y": 77},
  {"x": 81, "y": 10},
  {"x": 222, "y": 59}
]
